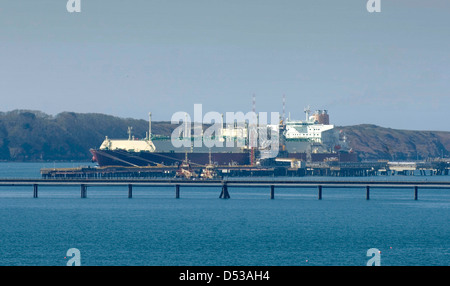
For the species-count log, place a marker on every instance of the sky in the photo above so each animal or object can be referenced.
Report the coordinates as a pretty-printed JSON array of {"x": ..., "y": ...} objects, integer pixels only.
[{"x": 128, "y": 58}]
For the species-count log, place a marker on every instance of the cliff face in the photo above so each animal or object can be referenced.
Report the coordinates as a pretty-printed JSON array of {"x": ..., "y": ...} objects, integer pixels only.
[
  {"x": 33, "y": 135},
  {"x": 374, "y": 143}
]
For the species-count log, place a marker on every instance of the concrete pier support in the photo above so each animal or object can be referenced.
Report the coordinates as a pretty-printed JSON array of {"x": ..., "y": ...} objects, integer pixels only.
[
  {"x": 272, "y": 192},
  {"x": 224, "y": 194},
  {"x": 83, "y": 191},
  {"x": 320, "y": 192},
  {"x": 35, "y": 191},
  {"x": 416, "y": 193},
  {"x": 177, "y": 191},
  {"x": 130, "y": 191},
  {"x": 367, "y": 193}
]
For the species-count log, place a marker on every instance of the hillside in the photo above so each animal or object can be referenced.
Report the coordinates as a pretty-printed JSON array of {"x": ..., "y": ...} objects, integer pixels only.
[
  {"x": 32, "y": 135},
  {"x": 373, "y": 143}
]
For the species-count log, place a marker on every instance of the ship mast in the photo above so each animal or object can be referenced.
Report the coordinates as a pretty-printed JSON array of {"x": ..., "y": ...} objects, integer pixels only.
[
  {"x": 129, "y": 132},
  {"x": 149, "y": 125},
  {"x": 186, "y": 126},
  {"x": 307, "y": 111},
  {"x": 252, "y": 150}
]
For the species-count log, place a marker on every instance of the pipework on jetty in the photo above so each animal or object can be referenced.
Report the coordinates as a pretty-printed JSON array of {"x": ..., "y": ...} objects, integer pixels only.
[{"x": 280, "y": 169}]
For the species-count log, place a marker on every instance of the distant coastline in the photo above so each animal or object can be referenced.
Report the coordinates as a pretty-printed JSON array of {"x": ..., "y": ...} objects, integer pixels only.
[{"x": 34, "y": 136}]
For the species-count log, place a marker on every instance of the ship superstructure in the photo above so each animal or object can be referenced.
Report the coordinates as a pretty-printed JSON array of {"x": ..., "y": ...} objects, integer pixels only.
[{"x": 315, "y": 131}]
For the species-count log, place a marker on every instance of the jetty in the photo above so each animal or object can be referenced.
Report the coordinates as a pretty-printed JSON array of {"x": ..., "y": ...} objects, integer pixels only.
[
  {"x": 224, "y": 185},
  {"x": 278, "y": 168}
]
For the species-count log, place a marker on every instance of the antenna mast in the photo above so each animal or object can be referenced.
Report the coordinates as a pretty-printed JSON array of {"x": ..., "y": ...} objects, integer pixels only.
[
  {"x": 129, "y": 132},
  {"x": 254, "y": 103},
  {"x": 149, "y": 125},
  {"x": 307, "y": 111},
  {"x": 252, "y": 138}
]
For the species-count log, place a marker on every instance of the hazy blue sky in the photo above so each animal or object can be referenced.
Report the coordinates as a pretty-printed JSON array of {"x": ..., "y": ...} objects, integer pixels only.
[{"x": 127, "y": 58}]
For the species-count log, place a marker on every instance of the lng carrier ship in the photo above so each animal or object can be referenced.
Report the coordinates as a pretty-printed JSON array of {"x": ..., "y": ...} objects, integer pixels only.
[{"x": 309, "y": 140}]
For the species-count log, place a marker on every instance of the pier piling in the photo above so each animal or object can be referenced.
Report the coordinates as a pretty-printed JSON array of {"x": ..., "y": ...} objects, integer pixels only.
[
  {"x": 35, "y": 191},
  {"x": 272, "y": 192},
  {"x": 224, "y": 194},
  {"x": 83, "y": 191},
  {"x": 320, "y": 191},
  {"x": 367, "y": 193},
  {"x": 130, "y": 191},
  {"x": 177, "y": 191},
  {"x": 416, "y": 193}
]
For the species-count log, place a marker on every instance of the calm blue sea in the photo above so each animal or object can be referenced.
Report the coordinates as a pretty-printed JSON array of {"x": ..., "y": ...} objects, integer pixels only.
[{"x": 154, "y": 228}]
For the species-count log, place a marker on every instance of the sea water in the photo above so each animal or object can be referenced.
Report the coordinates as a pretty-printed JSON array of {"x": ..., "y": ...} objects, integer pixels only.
[{"x": 250, "y": 229}]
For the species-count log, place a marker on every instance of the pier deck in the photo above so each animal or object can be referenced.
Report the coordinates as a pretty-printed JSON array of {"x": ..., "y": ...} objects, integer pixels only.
[
  {"x": 367, "y": 185},
  {"x": 331, "y": 169}
]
